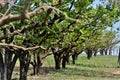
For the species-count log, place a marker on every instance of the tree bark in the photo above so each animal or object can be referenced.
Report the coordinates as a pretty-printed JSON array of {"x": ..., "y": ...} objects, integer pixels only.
[
  {"x": 8, "y": 56},
  {"x": 6, "y": 67},
  {"x": 102, "y": 52},
  {"x": 1, "y": 67},
  {"x": 6, "y": 63},
  {"x": 89, "y": 53},
  {"x": 12, "y": 65},
  {"x": 57, "y": 58},
  {"x": 64, "y": 60},
  {"x": 36, "y": 64},
  {"x": 24, "y": 65},
  {"x": 73, "y": 58}
]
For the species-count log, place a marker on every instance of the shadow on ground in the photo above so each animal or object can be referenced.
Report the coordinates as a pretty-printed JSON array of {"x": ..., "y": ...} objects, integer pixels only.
[{"x": 76, "y": 71}]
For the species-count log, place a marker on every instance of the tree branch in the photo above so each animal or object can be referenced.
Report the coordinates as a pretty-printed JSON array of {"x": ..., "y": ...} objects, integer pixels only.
[
  {"x": 25, "y": 10},
  {"x": 26, "y": 7},
  {"x": 72, "y": 3},
  {"x": 20, "y": 47},
  {"x": 37, "y": 11},
  {"x": 10, "y": 18}
]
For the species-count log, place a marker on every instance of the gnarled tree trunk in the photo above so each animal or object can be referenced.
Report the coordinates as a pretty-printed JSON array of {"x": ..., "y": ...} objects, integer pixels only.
[
  {"x": 36, "y": 64},
  {"x": 24, "y": 65},
  {"x": 65, "y": 57},
  {"x": 57, "y": 58}
]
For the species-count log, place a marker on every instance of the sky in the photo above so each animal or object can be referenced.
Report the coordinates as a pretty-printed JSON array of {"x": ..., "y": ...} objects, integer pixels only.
[{"x": 102, "y": 2}]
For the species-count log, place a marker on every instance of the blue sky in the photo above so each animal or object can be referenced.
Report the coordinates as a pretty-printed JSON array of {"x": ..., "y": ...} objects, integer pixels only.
[{"x": 97, "y": 2}]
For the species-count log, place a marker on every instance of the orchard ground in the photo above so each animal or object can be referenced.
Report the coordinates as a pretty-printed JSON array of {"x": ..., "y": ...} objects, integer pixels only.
[{"x": 98, "y": 68}]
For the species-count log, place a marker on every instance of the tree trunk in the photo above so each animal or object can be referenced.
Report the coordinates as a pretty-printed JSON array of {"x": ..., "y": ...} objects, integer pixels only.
[
  {"x": 9, "y": 54},
  {"x": 106, "y": 51},
  {"x": 64, "y": 61},
  {"x": 102, "y": 52},
  {"x": 6, "y": 67},
  {"x": 6, "y": 64},
  {"x": 38, "y": 61},
  {"x": 23, "y": 74},
  {"x": 1, "y": 67},
  {"x": 24, "y": 65},
  {"x": 37, "y": 64},
  {"x": 73, "y": 58},
  {"x": 89, "y": 53},
  {"x": 12, "y": 65},
  {"x": 119, "y": 57},
  {"x": 65, "y": 58},
  {"x": 110, "y": 51},
  {"x": 95, "y": 53},
  {"x": 57, "y": 58}
]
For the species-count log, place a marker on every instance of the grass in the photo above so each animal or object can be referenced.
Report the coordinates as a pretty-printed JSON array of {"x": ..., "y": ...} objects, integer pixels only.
[{"x": 98, "y": 68}]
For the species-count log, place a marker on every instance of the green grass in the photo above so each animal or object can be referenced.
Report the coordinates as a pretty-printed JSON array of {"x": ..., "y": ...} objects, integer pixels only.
[{"x": 98, "y": 68}]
